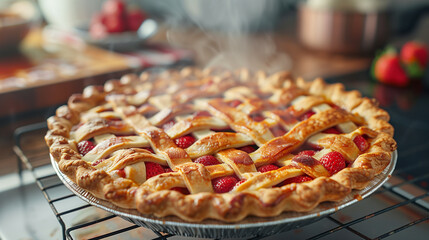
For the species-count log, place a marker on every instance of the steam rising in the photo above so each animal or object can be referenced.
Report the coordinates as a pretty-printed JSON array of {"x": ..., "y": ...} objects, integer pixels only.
[{"x": 233, "y": 34}]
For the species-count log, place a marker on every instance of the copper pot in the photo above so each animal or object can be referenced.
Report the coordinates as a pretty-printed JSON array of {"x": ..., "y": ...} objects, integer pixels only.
[{"x": 352, "y": 32}]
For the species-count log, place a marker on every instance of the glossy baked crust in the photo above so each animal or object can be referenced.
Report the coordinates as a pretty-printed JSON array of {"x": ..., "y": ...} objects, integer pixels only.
[{"x": 140, "y": 105}]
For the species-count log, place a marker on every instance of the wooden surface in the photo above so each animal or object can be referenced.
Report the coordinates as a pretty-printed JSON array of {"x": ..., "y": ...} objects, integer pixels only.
[{"x": 45, "y": 72}]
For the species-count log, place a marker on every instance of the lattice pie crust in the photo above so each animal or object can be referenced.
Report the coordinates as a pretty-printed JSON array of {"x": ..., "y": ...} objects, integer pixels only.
[{"x": 125, "y": 119}]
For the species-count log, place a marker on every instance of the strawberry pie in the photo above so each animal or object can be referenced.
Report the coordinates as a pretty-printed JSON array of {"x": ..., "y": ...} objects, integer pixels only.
[{"x": 216, "y": 144}]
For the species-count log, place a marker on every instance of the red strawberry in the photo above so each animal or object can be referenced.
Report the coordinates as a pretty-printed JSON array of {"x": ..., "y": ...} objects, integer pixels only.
[
  {"x": 267, "y": 168},
  {"x": 387, "y": 69},
  {"x": 114, "y": 7},
  {"x": 332, "y": 130},
  {"x": 149, "y": 149},
  {"x": 202, "y": 114},
  {"x": 234, "y": 103},
  {"x": 333, "y": 162},
  {"x": 207, "y": 160},
  {"x": 248, "y": 149},
  {"x": 257, "y": 117},
  {"x": 315, "y": 146},
  {"x": 84, "y": 147},
  {"x": 297, "y": 179},
  {"x": 181, "y": 190},
  {"x": 307, "y": 115},
  {"x": 240, "y": 182},
  {"x": 168, "y": 125},
  {"x": 278, "y": 131},
  {"x": 134, "y": 17},
  {"x": 361, "y": 143},
  {"x": 224, "y": 184},
  {"x": 184, "y": 141},
  {"x": 153, "y": 169},
  {"x": 414, "y": 52},
  {"x": 97, "y": 29},
  {"x": 98, "y": 162},
  {"x": 309, "y": 153},
  {"x": 121, "y": 173},
  {"x": 115, "y": 23}
]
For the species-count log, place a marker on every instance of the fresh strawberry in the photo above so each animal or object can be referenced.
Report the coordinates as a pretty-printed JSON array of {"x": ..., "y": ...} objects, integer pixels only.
[
  {"x": 333, "y": 162},
  {"x": 114, "y": 7},
  {"x": 153, "y": 169},
  {"x": 168, "y": 125},
  {"x": 332, "y": 130},
  {"x": 234, "y": 103},
  {"x": 134, "y": 18},
  {"x": 415, "y": 57},
  {"x": 84, "y": 147},
  {"x": 387, "y": 69},
  {"x": 115, "y": 23},
  {"x": 267, "y": 168},
  {"x": 97, "y": 29},
  {"x": 184, "y": 141},
  {"x": 361, "y": 143},
  {"x": 181, "y": 190},
  {"x": 307, "y": 115},
  {"x": 224, "y": 184},
  {"x": 309, "y": 153},
  {"x": 248, "y": 149},
  {"x": 297, "y": 179},
  {"x": 207, "y": 160}
]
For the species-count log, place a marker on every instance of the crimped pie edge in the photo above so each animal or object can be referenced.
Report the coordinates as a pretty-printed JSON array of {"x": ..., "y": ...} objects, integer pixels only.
[{"x": 229, "y": 207}]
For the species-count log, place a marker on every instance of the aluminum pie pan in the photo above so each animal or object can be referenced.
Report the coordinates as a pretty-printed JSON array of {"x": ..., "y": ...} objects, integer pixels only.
[{"x": 249, "y": 227}]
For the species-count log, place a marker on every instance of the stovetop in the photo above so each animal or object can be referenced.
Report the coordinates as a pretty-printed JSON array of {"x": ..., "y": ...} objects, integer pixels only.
[{"x": 46, "y": 209}]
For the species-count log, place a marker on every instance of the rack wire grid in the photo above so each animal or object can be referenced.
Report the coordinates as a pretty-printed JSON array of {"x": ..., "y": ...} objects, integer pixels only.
[{"x": 398, "y": 210}]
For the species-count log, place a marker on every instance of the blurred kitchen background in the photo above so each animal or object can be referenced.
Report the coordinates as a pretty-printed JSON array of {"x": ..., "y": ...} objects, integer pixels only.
[{"x": 50, "y": 49}]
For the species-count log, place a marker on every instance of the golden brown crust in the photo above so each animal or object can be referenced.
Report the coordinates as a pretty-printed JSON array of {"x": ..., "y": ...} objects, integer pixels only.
[{"x": 254, "y": 197}]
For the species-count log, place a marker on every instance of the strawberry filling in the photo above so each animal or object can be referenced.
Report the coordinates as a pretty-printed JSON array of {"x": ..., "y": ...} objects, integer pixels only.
[
  {"x": 333, "y": 162},
  {"x": 257, "y": 117},
  {"x": 202, "y": 114},
  {"x": 234, "y": 103},
  {"x": 361, "y": 143},
  {"x": 248, "y": 149},
  {"x": 332, "y": 130},
  {"x": 278, "y": 131},
  {"x": 181, "y": 190},
  {"x": 153, "y": 169},
  {"x": 184, "y": 141},
  {"x": 297, "y": 179},
  {"x": 306, "y": 115},
  {"x": 267, "y": 168},
  {"x": 207, "y": 160},
  {"x": 224, "y": 184},
  {"x": 84, "y": 147}
]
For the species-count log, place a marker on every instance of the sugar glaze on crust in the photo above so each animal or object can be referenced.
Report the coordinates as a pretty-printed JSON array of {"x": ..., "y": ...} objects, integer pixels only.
[{"x": 128, "y": 115}]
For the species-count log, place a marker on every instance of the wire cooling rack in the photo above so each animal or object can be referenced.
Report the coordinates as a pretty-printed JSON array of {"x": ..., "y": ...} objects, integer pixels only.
[{"x": 398, "y": 210}]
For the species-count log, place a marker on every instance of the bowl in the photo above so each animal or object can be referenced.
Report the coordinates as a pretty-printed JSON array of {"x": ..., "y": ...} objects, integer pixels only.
[{"x": 13, "y": 29}]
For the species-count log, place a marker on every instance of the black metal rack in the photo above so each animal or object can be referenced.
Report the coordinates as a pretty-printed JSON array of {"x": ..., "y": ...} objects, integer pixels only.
[{"x": 398, "y": 196}]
